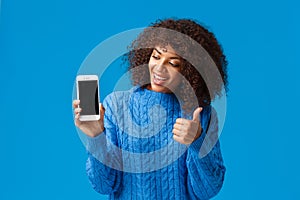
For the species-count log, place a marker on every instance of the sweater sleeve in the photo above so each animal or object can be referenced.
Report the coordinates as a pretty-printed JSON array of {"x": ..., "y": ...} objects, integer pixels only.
[
  {"x": 206, "y": 174},
  {"x": 103, "y": 166}
]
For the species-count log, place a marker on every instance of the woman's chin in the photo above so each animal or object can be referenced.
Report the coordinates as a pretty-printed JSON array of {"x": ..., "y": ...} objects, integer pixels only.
[{"x": 159, "y": 88}]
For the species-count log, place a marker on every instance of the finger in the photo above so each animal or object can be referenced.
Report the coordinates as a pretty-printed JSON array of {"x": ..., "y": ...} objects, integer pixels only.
[
  {"x": 77, "y": 116},
  {"x": 77, "y": 121},
  {"x": 182, "y": 140},
  {"x": 180, "y": 127},
  {"x": 196, "y": 114},
  {"x": 178, "y": 139},
  {"x": 177, "y": 126},
  {"x": 181, "y": 121},
  {"x": 183, "y": 134},
  {"x": 76, "y": 103},
  {"x": 176, "y": 132},
  {"x": 77, "y": 110}
]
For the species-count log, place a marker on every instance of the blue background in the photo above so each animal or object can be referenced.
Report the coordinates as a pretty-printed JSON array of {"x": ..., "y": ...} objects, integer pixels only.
[{"x": 43, "y": 44}]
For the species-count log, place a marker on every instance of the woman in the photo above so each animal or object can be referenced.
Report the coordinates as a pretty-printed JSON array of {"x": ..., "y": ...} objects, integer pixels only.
[{"x": 146, "y": 144}]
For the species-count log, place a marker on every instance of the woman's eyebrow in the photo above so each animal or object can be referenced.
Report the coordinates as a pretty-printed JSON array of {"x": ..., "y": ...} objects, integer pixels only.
[
  {"x": 174, "y": 57},
  {"x": 157, "y": 50}
]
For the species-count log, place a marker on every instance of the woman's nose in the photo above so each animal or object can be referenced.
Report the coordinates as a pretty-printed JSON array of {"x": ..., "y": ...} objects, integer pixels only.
[{"x": 160, "y": 66}]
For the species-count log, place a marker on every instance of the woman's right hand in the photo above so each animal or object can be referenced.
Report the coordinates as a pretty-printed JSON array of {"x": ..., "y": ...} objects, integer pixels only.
[{"x": 90, "y": 128}]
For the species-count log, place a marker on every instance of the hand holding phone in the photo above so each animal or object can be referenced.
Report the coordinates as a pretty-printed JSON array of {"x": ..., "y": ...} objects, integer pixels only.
[
  {"x": 87, "y": 93},
  {"x": 88, "y": 114},
  {"x": 90, "y": 128}
]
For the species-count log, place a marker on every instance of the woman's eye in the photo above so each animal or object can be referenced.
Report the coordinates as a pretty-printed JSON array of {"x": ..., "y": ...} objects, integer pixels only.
[
  {"x": 155, "y": 57},
  {"x": 174, "y": 64}
]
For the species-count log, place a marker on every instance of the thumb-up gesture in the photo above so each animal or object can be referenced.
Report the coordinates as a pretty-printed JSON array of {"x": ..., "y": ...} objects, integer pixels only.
[{"x": 186, "y": 131}]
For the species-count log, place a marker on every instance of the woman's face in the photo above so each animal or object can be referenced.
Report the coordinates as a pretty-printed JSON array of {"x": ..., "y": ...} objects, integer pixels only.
[{"x": 164, "y": 68}]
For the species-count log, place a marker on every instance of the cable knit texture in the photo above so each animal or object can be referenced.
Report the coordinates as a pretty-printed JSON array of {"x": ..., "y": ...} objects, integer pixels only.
[{"x": 136, "y": 156}]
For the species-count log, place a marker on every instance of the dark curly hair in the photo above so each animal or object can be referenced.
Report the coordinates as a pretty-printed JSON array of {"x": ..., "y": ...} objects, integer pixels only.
[{"x": 161, "y": 33}]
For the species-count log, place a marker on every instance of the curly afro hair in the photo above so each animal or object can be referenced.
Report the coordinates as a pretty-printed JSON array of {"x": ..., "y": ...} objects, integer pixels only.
[{"x": 205, "y": 86}]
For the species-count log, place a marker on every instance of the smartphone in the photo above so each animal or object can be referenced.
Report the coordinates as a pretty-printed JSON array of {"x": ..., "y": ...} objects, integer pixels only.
[{"x": 88, "y": 94}]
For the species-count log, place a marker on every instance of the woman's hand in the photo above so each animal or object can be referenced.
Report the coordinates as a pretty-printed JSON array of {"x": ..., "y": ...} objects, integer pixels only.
[
  {"x": 90, "y": 128},
  {"x": 186, "y": 131}
]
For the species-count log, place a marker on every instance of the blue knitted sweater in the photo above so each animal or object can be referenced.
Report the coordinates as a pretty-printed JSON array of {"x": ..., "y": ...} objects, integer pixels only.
[{"x": 136, "y": 156}]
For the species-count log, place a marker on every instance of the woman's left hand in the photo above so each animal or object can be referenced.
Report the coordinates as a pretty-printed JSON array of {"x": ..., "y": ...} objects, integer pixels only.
[{"x": 186, "y": 131}]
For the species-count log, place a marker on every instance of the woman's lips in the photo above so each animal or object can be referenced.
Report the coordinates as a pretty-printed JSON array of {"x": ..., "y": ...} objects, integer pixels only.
[{"x": 158, "y": 79}]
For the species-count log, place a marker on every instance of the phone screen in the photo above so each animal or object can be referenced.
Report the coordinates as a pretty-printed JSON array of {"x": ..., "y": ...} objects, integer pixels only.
[{"x": 88, "y": 96}]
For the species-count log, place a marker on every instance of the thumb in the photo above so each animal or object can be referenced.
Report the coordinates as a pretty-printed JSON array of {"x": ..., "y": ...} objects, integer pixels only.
[
  {"x": 196, "y": 114},
  {"x": 102, "y": 110}
]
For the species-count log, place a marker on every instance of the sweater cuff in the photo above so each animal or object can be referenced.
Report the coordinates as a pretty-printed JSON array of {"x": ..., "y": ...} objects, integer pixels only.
[
  {"x": 194, "y": 148},
  {"x": 93, "y": 143}
]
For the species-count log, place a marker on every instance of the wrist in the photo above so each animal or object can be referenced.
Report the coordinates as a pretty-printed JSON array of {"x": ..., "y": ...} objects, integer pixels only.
[{"x": 95, "y": 134}]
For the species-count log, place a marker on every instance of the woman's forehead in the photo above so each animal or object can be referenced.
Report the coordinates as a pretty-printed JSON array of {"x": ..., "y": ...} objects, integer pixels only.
[{"x": 166, "y": 50}]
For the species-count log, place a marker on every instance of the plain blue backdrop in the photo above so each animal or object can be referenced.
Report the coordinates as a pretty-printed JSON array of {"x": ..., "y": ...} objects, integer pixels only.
[{"x": 43, "y": 43}]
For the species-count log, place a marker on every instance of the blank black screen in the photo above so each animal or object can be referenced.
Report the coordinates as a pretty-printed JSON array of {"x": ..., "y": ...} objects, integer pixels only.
[{"x": 88, "y": 96}]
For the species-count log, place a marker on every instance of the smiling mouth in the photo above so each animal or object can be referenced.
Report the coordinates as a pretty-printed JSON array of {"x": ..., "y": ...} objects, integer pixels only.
[
  {"x": 159, "y": 80},
  {"x": 159, "y": 77}
]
